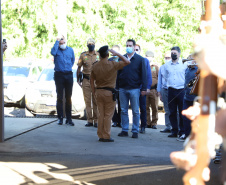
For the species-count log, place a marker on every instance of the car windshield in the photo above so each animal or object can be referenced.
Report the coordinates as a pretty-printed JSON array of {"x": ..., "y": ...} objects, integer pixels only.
[
  {"x": 17, "y": 71},
  {"x": 48, "y": 74}
]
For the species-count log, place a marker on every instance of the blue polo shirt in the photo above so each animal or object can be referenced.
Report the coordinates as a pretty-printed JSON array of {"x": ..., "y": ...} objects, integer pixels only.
[
  {"x": 134, "y": 75},
  {"x": 63, "y": 59}
]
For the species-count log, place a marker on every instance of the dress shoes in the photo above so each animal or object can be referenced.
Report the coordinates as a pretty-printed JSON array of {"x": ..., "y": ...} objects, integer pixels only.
[
  {"x": 119, "y": 125},
  {"x": 135, "y": 135},
  {"x": 101, "y": 139},
  {"x": 70, "y": 122},
  {"x": 182, "y": 138},
  {"x": 123, "y": 134},
  {"x": 142, "y": 130},
  {"x": 149, "y": 126},
  {"x": 60, "y": 121},
  {"x": 172, "y": 135},
  {"x": 165, "y": 131},
  {"x": 114, "y": 124},
  {"x": 95, "y": 125},
  {"x": 108, "y": 140},
  {"x": 154, "y": 127},
  {"x": 89, "y": 124}
]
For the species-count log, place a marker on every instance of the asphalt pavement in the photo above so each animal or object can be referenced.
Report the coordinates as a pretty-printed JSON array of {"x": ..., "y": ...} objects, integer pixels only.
[{"x": 38, "y": 151}]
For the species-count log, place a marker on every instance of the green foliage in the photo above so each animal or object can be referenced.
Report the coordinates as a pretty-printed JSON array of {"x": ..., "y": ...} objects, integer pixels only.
[{"x": 30, "y": 26}]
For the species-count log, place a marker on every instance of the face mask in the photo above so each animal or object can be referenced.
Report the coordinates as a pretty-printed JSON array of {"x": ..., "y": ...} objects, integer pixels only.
[
  {"x": 91, "y": 47},
  {"x": 137, "y": 52},
  {"x": 63, "y": 46},
  {"x": 174, "y": 56},
  {"x": 129, "y": 50},
  {"x": 167, "y": 61}
]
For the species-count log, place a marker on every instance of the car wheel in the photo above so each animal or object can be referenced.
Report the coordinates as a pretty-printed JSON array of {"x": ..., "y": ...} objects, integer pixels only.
[
  {"x": 83, "y": 115},
  {"x": 22, "y": 102},
  {"x": 28, "y": 113}
]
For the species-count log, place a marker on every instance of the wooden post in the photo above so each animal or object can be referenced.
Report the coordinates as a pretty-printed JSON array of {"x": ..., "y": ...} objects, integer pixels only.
[{"x": 1, "y": 83}]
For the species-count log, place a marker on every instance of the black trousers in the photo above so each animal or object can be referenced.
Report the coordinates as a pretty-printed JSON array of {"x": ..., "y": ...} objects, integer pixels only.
[
  {"x": 175, "y": 102},
  {"x": 143, "y": 112},
  {"x": 63, "y": 81}
]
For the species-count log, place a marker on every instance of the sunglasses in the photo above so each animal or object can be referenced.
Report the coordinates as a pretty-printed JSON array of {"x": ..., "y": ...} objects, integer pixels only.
[{"x": 136, "y": 49}]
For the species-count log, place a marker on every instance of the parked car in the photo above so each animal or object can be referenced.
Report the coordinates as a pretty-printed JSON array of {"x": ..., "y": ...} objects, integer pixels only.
[
  {"x": 41, "y": 97},
  {"x": 17, "y": 77}
]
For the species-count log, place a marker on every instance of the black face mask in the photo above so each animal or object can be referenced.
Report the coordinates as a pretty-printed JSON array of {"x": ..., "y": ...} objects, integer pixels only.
[
  {"x": 174, "y": 56},
  {"x": 91, "y": 47}
]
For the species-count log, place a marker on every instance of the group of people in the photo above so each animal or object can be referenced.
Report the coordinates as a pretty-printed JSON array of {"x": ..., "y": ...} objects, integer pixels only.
[{"x": 125, "y": 79}]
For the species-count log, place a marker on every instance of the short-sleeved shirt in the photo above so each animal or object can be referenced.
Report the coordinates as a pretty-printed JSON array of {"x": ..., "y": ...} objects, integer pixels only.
[
  {"x": 86, "y": 61},
  {"x": 104, "y": 73},
  {"x": 154, "y": 73}
]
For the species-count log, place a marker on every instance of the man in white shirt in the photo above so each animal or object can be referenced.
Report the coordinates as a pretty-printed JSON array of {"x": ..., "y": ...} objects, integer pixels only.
[{"x": 175, "y": 73}]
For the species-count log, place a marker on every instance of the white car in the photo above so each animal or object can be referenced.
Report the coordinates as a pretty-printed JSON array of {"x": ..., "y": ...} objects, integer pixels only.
[
  {"x": 17, "y": 77},
  {"x": 41, "y": 97}
]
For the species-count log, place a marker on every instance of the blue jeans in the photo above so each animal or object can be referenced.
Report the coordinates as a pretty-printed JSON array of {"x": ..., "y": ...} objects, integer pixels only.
[
  {"x": 143, "y": 112},
  {"x": 132, "y": 95},
  {"x": 175, "y": 103},
  {"x": 164, "y": 93},
  {"x": 186, "y": 121}
]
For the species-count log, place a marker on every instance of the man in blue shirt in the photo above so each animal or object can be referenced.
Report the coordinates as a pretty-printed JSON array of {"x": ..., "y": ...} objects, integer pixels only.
[
  {"x": 175, "y": 75},
  {"x": 143, "y": 113},
  {"x": 162, "y": 90},
  {"x": 64, "y": 59},
  {"x": 132, "y": 81}
]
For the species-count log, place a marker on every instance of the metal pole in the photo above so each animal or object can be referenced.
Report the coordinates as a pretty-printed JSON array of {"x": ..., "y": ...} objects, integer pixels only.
[{"x": 1, "y": 83}]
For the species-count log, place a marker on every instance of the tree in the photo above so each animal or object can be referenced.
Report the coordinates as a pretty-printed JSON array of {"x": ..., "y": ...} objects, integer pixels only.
[{"x": 30, "y": 26}]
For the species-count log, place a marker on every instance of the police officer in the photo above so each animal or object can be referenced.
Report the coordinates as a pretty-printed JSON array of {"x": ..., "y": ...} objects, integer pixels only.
[
  {"x": 104, "y": 75},
  {"x": 152, "y": 98},
  {"x": 64, "y": 59},
  {"x": 86, "y": 61}
]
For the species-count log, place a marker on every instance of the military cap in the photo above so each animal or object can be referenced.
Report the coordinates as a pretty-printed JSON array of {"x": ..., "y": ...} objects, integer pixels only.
[
  {"x": 103, "y": 50},
  {"x": 149, "y": 54},
  {"x": 90, "y": 41}
]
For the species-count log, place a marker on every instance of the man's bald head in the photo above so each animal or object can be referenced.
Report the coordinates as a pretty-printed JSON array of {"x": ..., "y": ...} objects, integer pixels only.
[{"x": 167, "y": 56}]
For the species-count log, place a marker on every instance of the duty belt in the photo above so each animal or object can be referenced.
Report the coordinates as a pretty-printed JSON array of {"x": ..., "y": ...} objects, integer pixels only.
[
  {"x": 86, "y": 76},
  {"x": 154, "y": 87},
  {"x": 114, "y": 91},
  {"x": 107, "y": 88}
]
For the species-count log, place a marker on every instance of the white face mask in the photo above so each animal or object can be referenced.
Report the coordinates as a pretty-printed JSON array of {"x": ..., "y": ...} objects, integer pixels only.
[
  {"x": 63, "y": 46},
  {"x": 167, "y": 61}
]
